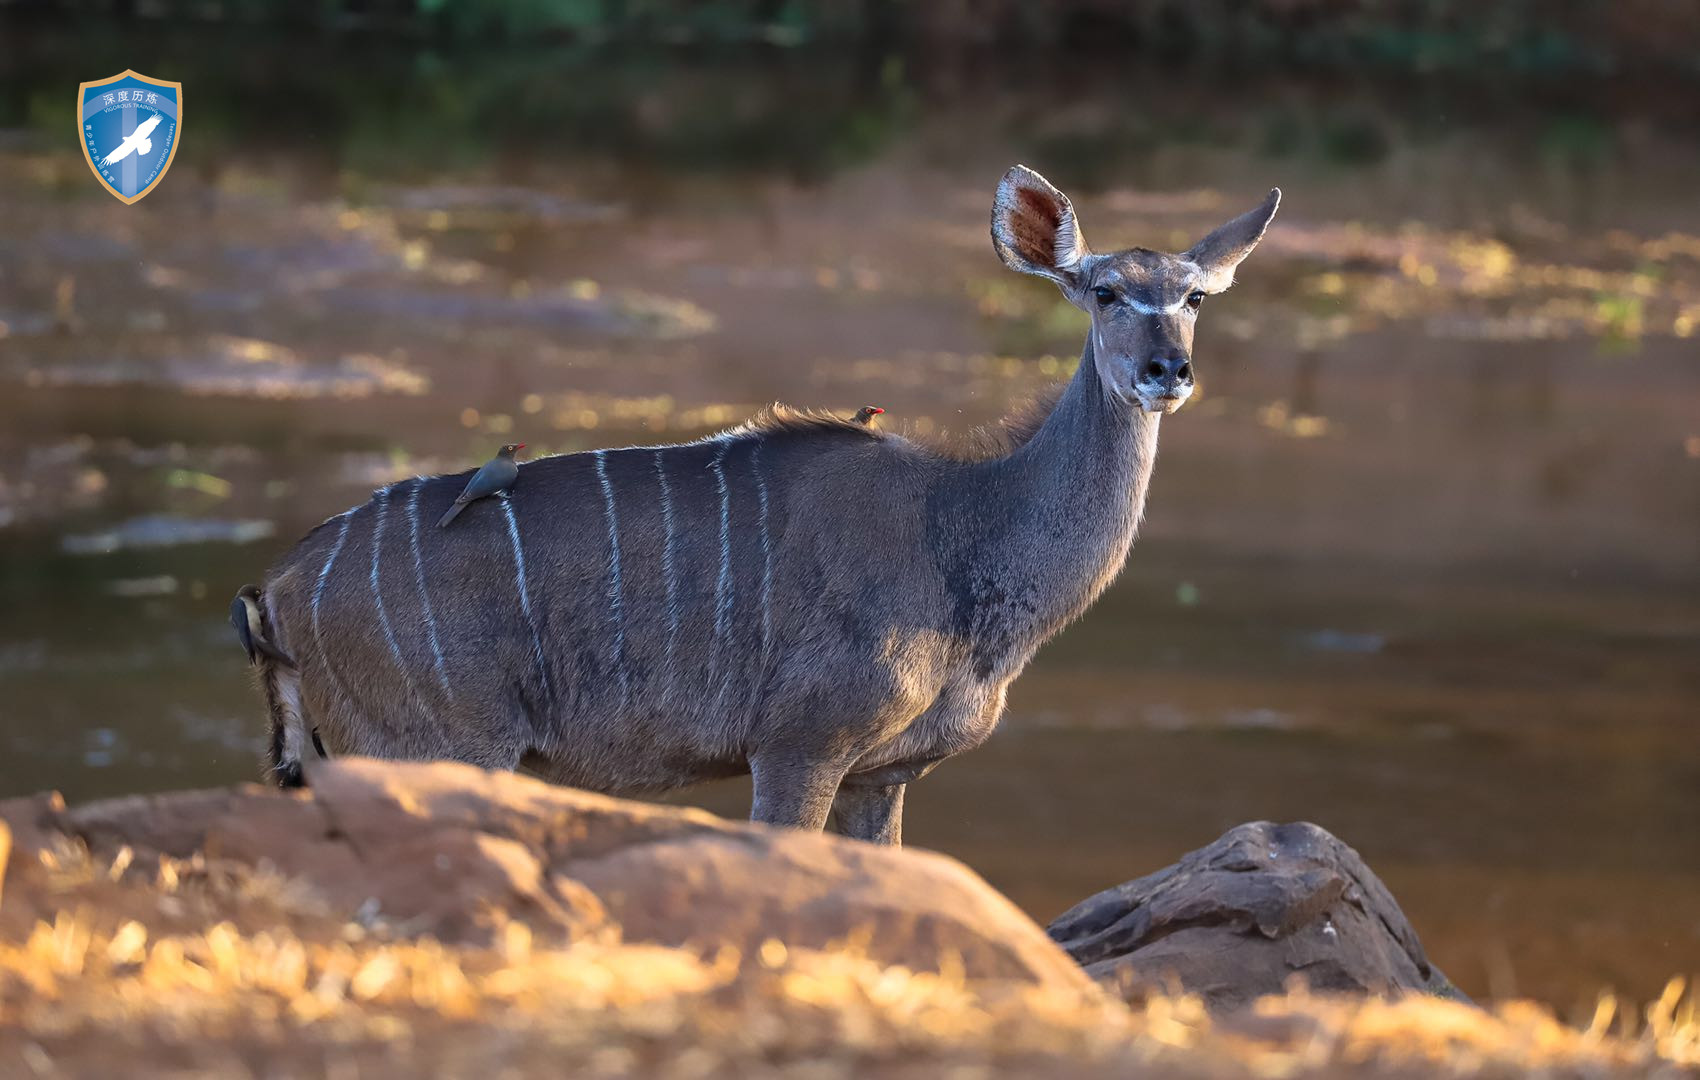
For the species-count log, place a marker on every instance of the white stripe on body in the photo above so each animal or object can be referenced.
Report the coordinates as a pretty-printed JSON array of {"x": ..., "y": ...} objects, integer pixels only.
[
  {"x": 325, "y": 572},
  {"x": 667, "y": 570},
  {"x": 766, "y": 553},
  {"x": 318, "y": 595},
  {"x": 419, "y": 580},
  {"x": 383, "y": 499},
  {"x": 723, "y": 584},
  {"x": 616, "y": 599},
  {"x": 525, "y": 593}
]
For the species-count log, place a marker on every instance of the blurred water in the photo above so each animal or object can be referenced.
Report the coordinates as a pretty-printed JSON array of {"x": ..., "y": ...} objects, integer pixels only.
[{"x": 1422, "y": 562}]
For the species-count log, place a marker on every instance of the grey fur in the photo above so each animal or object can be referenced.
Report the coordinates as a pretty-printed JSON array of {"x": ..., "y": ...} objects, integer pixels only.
[
  {"x": 425, "y": 611},
  {"x": 741, "y": 611},
  {"x": 381, "y": 503},
  {"x": 522, "y": 586},
  {"x": 616, "y": 588}
]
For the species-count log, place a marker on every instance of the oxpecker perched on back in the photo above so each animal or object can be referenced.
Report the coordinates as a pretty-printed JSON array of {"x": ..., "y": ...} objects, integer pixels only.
[
  {"x": 865, "y": 415},
  {"x": 249, "y": 623},
  {"x": 496, "y": 477}
]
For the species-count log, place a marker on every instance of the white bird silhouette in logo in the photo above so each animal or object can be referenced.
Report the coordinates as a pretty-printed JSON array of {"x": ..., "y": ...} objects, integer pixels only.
[{"x": 135, "y": 142}]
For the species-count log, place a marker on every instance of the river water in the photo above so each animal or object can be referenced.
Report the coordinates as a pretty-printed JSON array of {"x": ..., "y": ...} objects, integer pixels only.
[{"x": 1422, "y": 558}]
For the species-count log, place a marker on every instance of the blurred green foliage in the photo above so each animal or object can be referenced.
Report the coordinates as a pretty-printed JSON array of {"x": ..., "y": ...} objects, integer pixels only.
[
  {"x": 381, "y": 89},
  {"x": 381, "y": 109},
  {"x": 1418, "y": 35}
]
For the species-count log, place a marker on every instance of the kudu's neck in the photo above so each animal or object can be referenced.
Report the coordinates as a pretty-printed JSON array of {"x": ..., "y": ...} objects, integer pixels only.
[
  {"x": 1068, "y": 501},
  {"x": 1091, "y": 437}
]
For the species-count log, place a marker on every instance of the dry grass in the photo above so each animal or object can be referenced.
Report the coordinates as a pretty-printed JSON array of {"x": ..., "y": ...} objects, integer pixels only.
[{"x": 103, "y": 969}]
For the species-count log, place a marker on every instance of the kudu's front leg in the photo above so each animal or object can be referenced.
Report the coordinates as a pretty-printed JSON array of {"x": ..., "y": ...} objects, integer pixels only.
[
  {"x": 794, "y": 793},
  {"x": 871, "y": 813}
]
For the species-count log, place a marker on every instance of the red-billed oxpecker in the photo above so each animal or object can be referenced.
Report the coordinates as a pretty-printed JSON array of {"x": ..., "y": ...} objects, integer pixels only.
[{"x": 497, "y": 477}]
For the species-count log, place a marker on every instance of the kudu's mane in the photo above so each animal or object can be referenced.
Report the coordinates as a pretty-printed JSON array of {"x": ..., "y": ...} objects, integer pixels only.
[
  {"x": 997, "y": 439},
  {"x": 779, "y": 419},
  {"x": 1004, "y": 436}
]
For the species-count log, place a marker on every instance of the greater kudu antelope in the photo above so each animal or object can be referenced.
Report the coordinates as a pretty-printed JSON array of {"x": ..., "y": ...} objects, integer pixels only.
[{"x": 634, "y": 620}]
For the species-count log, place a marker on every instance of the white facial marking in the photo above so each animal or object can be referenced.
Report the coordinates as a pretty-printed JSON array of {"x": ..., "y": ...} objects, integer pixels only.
[{"x": 1152, "y": 309}]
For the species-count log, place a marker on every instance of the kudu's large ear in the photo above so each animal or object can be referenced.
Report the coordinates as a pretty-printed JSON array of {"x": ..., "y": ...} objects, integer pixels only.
[
  {"x": 1224, "y": 249},
  {"x": 1034, "y": 228}
]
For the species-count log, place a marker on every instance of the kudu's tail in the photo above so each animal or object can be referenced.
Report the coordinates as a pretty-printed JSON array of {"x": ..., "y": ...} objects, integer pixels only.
[
  {"x": 281, "y": 680},
  {"x": 289, "y": 734}
]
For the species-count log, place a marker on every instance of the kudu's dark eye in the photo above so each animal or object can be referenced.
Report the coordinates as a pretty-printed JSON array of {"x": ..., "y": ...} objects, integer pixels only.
[
  {"x": 1106, "y": 295},
  {"x": 1193, "y": 300}
]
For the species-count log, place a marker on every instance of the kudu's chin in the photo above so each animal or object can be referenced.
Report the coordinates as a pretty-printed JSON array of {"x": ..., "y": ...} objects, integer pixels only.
[{"x": 1166, "y": 399}]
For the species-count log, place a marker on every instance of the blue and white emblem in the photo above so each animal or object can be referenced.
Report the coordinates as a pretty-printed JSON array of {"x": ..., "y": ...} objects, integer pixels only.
[{"x": 129, "y": 128}]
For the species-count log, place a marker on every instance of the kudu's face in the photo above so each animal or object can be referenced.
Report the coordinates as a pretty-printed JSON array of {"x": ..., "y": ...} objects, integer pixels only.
[{"x": 1144, "y": 304}]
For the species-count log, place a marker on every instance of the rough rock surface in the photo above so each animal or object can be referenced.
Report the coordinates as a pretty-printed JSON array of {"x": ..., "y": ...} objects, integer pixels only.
[
  {"x": 115, "y": 963},
  {"x": 453, "y": 852},
  {"x": 1236, "y": 919}
]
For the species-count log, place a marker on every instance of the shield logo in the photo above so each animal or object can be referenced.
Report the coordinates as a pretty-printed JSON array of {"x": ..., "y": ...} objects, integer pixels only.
[{"x": 129, "y": 129}]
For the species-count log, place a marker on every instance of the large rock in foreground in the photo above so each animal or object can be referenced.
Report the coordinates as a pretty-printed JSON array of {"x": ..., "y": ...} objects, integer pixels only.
[
  {"x": 454, "y": 852},
  {"x": 1236, "y": 919}
]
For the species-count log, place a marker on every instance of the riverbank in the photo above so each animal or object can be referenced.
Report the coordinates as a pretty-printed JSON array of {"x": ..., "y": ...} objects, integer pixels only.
[{"x": 438, "y": 919}]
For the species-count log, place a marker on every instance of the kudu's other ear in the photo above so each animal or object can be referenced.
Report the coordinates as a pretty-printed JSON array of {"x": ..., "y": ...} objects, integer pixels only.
[
  {"x": 1034, "y": 229},
  {"x": 1224, "y": 249}
]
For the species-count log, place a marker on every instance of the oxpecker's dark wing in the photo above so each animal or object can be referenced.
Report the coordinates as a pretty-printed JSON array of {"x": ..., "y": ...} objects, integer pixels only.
[
  {"x": 494, "y": 476},
  {"x": 239, "y": 622}
]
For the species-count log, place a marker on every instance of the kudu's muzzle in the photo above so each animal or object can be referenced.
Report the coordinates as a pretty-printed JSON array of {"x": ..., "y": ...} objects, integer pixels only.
[{"x": 1164, "y": 382}]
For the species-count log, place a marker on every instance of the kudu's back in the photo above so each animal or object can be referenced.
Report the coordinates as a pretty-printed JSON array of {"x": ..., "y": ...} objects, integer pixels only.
[{"x": 628, "y": 621}]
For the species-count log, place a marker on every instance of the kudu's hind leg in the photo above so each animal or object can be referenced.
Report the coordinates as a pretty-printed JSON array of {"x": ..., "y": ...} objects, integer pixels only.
[
  {"x": 870, "y": 803},
  {"x": 794, "y": 793},
  {"x": 871, "y": 813}
]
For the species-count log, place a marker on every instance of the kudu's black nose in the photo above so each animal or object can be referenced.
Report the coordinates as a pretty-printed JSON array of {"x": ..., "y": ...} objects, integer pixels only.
[{"x": 1177, "y": 368}]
